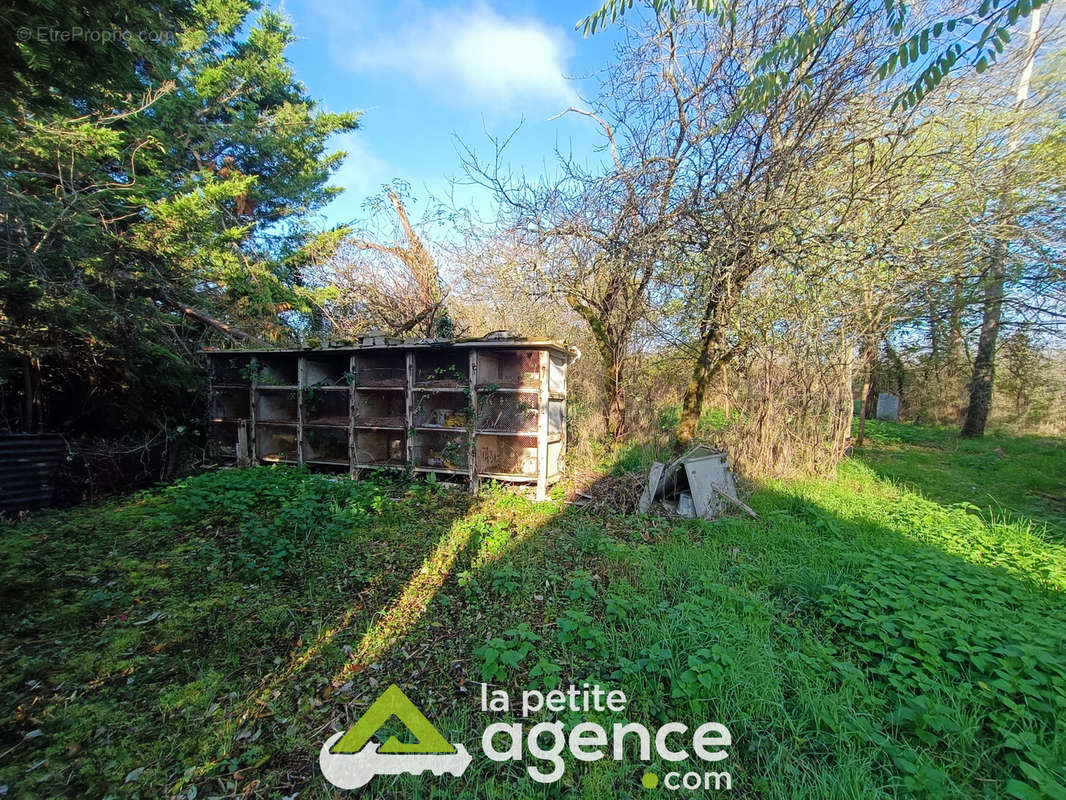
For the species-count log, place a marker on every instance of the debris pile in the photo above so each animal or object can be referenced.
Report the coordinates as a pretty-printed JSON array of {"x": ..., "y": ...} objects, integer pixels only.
[
  {"x": 697, "y": 484},
  {"x": 616, "y": 493}
]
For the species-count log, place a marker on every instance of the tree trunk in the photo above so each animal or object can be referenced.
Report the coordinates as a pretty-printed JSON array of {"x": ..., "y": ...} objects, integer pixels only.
[
  {"x": 31, "y": 386},
  {"x": 708, "y": 363},
  {"x": 846, "y": 406},
  {"x": 984, "y": 363},
  {"x": 872, "y": 391},
  {"x": 200, "y": 316},
  {"x": 724, "y": 284},
  {"x": 869, "y": 354},
  {"x": 611, "y": 342},
  {"x": 725, "y": 393},
  {"x": 692, "y": 403},
  {"x": 614, "y": 401}
]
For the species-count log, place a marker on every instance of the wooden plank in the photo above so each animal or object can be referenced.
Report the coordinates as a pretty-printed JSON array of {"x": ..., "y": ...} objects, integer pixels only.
[
  {"x": 736, "y": 501},
  {"x": 472, "y": 422},
  {"x": 410, "y": 407},
  {"x": 565, "y": 430},
  {"x": 243, "y": 452},
  {"x": 253, "y": 396},
  {"x": 542, "y": 427},
  {"x": 301, "y": 381},
  {"x": 351, "y": 417}
]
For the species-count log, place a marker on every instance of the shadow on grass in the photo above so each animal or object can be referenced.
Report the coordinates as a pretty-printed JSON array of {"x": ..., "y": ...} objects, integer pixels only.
[
  {"x": 846, "y": 654},
  {"x": 854, "y": 645},
  {"x": 141, "y": 638},
  {"x": 1003, "y": 475}
]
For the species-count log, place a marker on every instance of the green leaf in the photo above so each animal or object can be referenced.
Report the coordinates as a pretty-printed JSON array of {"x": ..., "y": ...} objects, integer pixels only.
[{"x": 1015, "y": 788}]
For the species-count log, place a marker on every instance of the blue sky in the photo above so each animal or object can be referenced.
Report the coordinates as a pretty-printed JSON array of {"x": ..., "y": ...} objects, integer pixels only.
[{"x": 425, "y": 72}]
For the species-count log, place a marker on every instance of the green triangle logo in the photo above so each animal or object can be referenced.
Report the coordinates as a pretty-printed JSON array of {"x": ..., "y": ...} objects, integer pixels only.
[{"x": 393, "y": 703}]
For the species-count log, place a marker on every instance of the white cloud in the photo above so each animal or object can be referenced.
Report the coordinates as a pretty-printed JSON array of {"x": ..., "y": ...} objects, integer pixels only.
[
  {"x": 476, "y": 56},
  {"x": 362, "y": 172}
]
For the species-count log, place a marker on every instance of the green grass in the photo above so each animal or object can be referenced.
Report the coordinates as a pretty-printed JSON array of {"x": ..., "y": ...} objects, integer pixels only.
[
  {"x": 878, "y": 635},
  {"x": 1013, "y": 477}
]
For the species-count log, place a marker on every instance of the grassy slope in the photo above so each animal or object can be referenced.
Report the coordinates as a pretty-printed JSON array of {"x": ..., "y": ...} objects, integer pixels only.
[
  {"x": 1014, "y": 477},
  {"x": 862, "y": 641}
]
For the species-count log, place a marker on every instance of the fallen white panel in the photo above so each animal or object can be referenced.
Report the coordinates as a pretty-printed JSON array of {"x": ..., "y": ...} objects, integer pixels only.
[
  {"x": 686, "y": 507},
  {"x": 703, "y": 475},
  {"x": 647, "y": 497}
]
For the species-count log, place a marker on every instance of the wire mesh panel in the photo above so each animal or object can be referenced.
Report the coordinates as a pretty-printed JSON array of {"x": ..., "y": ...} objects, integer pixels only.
[
  {"x": 441, "y": 450},
  {"x": 275, "y": 443},
  {"x": 276, "y": 405},
  {"x": 380, "y": 449},
  {"x": 277, "y": 370},
  {"x": 327, "y": 445},
  {"x": 232, "y": 370},
  {"x": 380, "y": 369},
  {"x": 222, "y": 443},
  {"x": 507, "y": 411},
  {"x": 325, "y": 406},
  {"x": 230, "y": 404},
  {"x": 507, "y": 455},
  {"x": 441, "y": 410},
  {"x": 446, "y": 369},
  {"x": 327, "y": 370},
  {"x": 380, "y": 409}
]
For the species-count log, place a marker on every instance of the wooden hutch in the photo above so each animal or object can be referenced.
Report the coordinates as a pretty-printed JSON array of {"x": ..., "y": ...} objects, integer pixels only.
[{"x": 474, "y": 409}]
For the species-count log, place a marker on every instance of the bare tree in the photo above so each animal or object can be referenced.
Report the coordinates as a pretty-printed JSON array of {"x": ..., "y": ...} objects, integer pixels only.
[
  {"x": 596, "y": 238},
  {"x": 699, "y": 193},
  {"x": 394, "y": 286},
  {"x": 757, "y": 174}
]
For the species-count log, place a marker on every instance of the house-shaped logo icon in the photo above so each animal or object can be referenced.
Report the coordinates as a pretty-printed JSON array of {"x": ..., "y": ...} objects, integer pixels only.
[{"x": 349, "y": 759}]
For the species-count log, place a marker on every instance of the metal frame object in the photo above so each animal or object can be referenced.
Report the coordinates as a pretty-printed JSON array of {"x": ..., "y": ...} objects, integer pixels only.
[{"x": 473, "y": 409}]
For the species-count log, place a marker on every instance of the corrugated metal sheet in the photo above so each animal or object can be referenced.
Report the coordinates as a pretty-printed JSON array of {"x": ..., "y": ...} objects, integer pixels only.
[{"x": 28, "y": 465}]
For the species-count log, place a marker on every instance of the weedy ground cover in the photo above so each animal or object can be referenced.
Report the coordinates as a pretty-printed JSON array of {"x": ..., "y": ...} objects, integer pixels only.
[{"x": 882, "y": 634}]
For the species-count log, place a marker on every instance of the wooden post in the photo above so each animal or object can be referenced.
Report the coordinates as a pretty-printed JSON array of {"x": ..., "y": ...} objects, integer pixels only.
[
  {"x": 564, "y": 369},
  {"x": 244, "y": 458},
  {"x": 350, "y": 380},
  {"x": 300, "y": 377},
  {"x": 409, "y": 394},
  {"x": 542, "y": 426},
  {"x": 253, "y": 394},
  {"x": 471, "y": 427}
]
